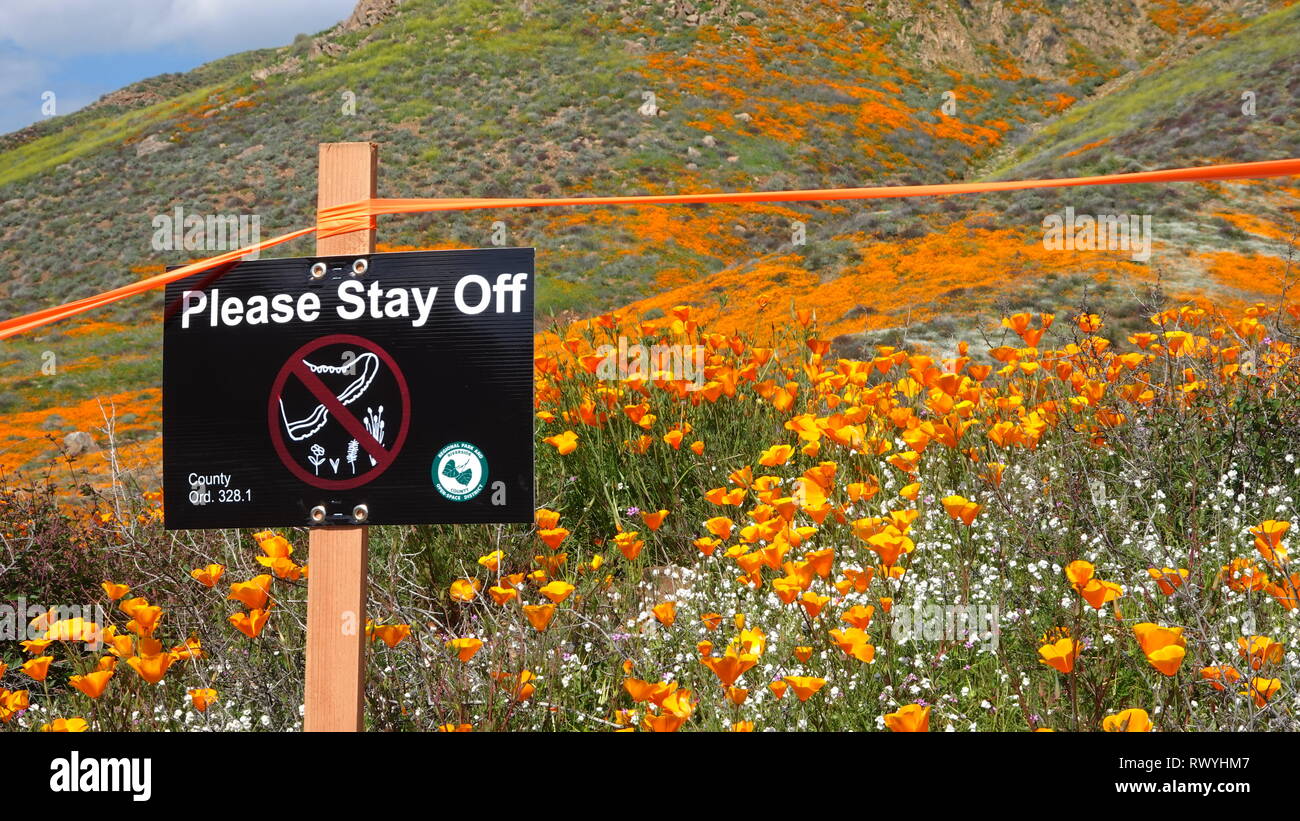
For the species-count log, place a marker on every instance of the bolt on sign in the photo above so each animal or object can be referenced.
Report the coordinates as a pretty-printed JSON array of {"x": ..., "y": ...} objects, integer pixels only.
[{"x": 382, "y": 389}]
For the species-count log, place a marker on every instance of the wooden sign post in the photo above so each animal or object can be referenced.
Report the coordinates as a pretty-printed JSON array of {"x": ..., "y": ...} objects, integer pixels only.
[{"x": 338, "y": 560}]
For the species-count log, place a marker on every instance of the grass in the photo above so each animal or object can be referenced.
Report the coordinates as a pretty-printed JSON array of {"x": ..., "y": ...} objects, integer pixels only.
[{"x": 46, "y": 153}]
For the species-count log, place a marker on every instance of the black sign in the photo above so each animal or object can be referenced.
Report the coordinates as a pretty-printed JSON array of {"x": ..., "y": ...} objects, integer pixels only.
[{"x": 385, "y": 389}]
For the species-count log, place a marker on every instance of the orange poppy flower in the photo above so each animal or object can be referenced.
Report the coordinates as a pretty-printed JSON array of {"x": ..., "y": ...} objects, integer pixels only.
[
  {"x": 465, "y": 647},
  {"x": 79, "y": 629},
  {"x": 813, "y": 603},
  {"x": 115, "y": 591},
  {"x": 711, "y": 620},
  {"x": 553, "y": 537},
  {"x": 1097, "y": 593},
  {"x": 628, "y": 544},
  {"x": 911, "y": 718},
  {"x": 1218, "y": 674},
  {"x": 191, "y": 649},
  {"x": 855, "y": 643},
  {"x": 275, "y": 546},
  {"x": 859, "y": 616},
  {"x": 1060, "y": 655},
  {"x": 250, "y": 623},
  {"x": 92, "y": 684},
  {"x": 547, "y": 519},
  {"x": 253, "y": 593},
  {"x": 1133, "y": 720},
  {"x": 1268, "y": 539},
  {"x": 65, "y": 725},
  {"x": 557, "y": 591},
  {"x": 665, "y": 612},
  {"x": 961, "y": 509},
  {"x": 730, "y": 667},
  {"x": 465, "y": 590},
  {"x": 1153, "y": 637},
  {"x": 35, "y": 647},
  {"x": 565, "y": 443},
  {"x": 648, "y": 692},
  {"x": 1167, "y": 578},
  {"x": 655, "y": 519},
  {"x": 519, "y": 685},
  {"x": 203, "y": 698},
  {"x": 38, "y": 668},
  {"x": 145, "y": 620},
  {"x": 676, "y": 709},
  {"x": 719, "y": 526},
  {"x": 210, "y": 575},
  {"x": 723, "y": 496},
  {"x": 390, "y": 634},
  {"x": 13, "y": 703},
  {"x": 1260, "y": 650},
  {"x": 776, "y": 455},
  {"x": 1079, "y": 573},
  {"x": 805, "y": 687},
  {"x": 860, "y": 579},
  {"x": 1263, "y": 689},
  {"x": 707, "y": 545},
  {"x": 152, "y": 667},
  {"x": 1241, "y": 575},
  {"x": 539, "y": 615},
  {"x": 503, "y": 595}
]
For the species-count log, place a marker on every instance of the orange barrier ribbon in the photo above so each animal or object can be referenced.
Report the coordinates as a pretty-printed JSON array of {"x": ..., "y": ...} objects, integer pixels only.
[
  {"x": 36, "y": 319},
  {"x": 361, "y": 215}
]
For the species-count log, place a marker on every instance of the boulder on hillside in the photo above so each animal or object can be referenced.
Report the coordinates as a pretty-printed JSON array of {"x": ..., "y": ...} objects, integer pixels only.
[{"x": 79, "y": 442}]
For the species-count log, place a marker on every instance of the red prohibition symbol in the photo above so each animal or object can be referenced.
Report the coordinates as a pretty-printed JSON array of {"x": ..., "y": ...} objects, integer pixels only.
[{"x": 332, "y": 407}]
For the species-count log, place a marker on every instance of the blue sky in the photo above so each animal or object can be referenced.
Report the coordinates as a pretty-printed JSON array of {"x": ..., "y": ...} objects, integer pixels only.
[{"x": 83, "y": 49}]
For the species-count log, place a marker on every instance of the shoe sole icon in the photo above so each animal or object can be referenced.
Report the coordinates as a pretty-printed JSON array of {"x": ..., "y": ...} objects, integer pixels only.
[{"x": 307, "y": 427}]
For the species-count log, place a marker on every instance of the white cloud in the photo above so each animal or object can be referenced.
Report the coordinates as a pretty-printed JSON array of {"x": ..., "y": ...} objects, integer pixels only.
[
  {"x": 39, "y": 39},
  {"x": 69, "y": 28}
]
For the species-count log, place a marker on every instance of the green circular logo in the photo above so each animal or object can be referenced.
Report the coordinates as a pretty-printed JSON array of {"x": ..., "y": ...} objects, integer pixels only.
[{"x": 460, "y": 471}]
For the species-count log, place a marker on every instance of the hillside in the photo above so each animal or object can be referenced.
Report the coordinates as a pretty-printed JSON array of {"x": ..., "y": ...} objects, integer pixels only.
[{"x": 474, "y": 98}]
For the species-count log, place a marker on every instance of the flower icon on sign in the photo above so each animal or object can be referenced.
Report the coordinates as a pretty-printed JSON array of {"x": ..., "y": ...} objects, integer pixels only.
[
  {"x": 374, "y": 422},
  {"x": 317, "y": 457}
]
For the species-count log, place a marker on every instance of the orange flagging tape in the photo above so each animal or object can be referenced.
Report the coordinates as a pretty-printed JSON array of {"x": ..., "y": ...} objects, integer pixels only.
[
  {"x": 360, "y": 216},
  {"x": 17, "y": 325}
]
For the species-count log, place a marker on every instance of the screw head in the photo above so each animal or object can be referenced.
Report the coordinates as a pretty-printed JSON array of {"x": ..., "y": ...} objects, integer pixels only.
[
  {"x": 318, "y": 270},
  {"x": 360, "y": 513},
  {"x": 318, "y": 513},
  {"x": 360, "y": 266}
]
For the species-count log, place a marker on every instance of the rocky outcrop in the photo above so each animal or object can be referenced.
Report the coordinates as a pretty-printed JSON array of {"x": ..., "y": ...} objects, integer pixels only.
[{"x": 368, "y": 13}]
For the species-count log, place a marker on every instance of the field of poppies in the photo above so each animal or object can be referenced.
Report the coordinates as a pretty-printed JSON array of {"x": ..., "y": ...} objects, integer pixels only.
[{"x": 1060, "y": 529}]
